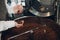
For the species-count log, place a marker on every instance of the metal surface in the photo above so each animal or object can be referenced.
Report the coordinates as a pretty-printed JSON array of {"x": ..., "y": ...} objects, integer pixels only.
[
  {"x": 22, "y": 17},
  {"x": 29, "y": 31},
  {"x": 45, "y": 29},
  {"x": 47, "y": 14},
  {"x": 48, "y": 11},
  {"x": 46, "y": 2}
]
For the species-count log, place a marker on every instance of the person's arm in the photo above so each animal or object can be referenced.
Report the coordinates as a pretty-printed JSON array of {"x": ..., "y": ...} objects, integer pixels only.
[{"x": 4, "y": 25}]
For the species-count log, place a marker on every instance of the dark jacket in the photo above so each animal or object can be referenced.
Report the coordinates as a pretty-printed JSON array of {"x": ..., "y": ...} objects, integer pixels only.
[{"x": 31, "y": 3}]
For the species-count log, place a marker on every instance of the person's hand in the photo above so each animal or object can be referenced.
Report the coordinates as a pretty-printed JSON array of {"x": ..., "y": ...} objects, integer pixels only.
[
  {"x": 18, "y": 25},
  {"x": 18, "y": 9}
]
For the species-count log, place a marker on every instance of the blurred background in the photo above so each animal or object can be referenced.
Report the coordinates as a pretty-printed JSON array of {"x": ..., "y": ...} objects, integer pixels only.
[{"x": 52, "y": 10}]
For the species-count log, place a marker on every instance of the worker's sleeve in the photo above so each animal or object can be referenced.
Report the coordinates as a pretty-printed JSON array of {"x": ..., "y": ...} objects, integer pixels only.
[{"x": 4, "y": 25}]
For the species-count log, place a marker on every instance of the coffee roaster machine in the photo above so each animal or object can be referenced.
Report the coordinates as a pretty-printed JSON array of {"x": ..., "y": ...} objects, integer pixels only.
[
  {"x": 50, "y": 8},
  {"x": 37, "y": 28}
]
